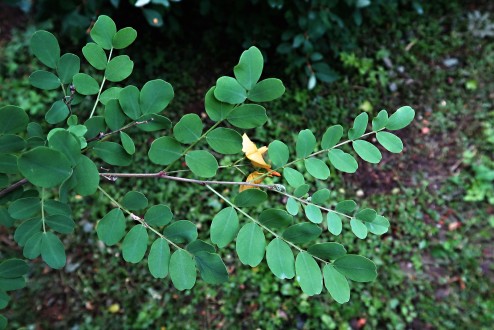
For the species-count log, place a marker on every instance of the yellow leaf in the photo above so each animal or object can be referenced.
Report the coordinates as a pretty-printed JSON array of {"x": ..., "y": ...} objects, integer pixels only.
[
  {"x": 115, "y": 308},
  {"x": 252, "y": 178},
  {"x": 254, "y": 154}
]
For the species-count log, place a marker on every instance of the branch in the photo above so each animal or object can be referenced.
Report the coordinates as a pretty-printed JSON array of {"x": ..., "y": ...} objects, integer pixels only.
[
  {"x": 101, "y": 88},
  {"x": 163, "y": 175},
  {"x": 303, "y": 201},
  {"x": 102, "y": 135},
  {"x": 138, "y": 219},
  {"x": 13, "y": 187}
]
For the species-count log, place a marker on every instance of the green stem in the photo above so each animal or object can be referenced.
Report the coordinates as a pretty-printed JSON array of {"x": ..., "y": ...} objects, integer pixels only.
[
  {"x": 43, "y": 209},
  {"x": 101, "y": 87},
  {"x": 260, "y": 224},
  {"x": 102, "y": 136},
  {"x": 317, "y": 153},
  {"x": 309, "y": 203},
  {"x": 138, "y": 219}
]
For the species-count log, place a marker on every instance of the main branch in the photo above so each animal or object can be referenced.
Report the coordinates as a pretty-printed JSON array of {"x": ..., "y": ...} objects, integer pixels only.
[{"x": 163, "y": 175}]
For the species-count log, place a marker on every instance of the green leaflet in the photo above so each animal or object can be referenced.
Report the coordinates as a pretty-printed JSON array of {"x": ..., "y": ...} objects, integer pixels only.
[
  {"x": 229, "y": 90},
  {"x": 182, "y": 270},
  {"x": 317, "y": 168},
  {"x": 343, "y": 161},
  {"x": 250, "y": 244},
  {"x": 390, "y": 142},
  {"x": 308, "y": 273},
  {"x": 103, "y": 31},
  {"x": 327, "y": 251},
  {"x": 95, "y": 55},
  {"x": 306, "y": 142},
  {"x": 165, "y": 150},
  {"x": 67, "y": 144},
  {"x": 280, "y": 259},
  {"x": 380, "y": 121},
  {"x": 52, "y": 251},
  {"x": 25, "y": 208},
  {"x": 224, "y": 227},
  {"x": 334, "y": 223},
  {"x": 332, "y": 136},
  {"x": 188, "y": 129},
  {"x": 155, "y": 96},
  {"x": 292, "y": 206},
  {"x": 356, "y": 268},
  {"x": 367, "y": 151},
  {"x": 111, "y": 229},
  {"x": 401, "y": 118},
  {"x": 216, "y": 109},
  {"x": 127, "y": 143},
  {"x": 321, "y": 196},
  {"x": 181, "y": 231},
  {"x": 124, "y": 38},
  {"x": 26, "y": 230},
  {"x": 57, "y": 113},
  {"x": 302, "y": 233},
  {"x": 275, "y": 218},
  {"x": 158, "y": 215},
  {"x": 112, "y": 153},
  {"x": 119, "y": 68},
  {"x": 60, "y": 223},
  {"x": 336, "y": 284},
  {"x": 68, "y": 66},
  {"x": 211, "y": 267},
  {"x": 45, "y": 47},
  {"x": 12, "y": 119},
  {"x": 45, "y": 80},
  {"x": 249, "y": 68},
  {"x": 225, "y": 141},
  {"x": 293, "y": 177},
  {"x": 248, "y": 116},
  {"x": 278, "y": 153},
  {"x": 313, "y": 213},
  {"x": 135, "y": 244},
  {"x": 346, "y": 206},
  {"x": 358, "y": 228},
  {"x": 266, "y": 90},
  {"x": 202, "y": 163},
  {"x": 250, "y": 198},
  {"x": 12, "y": 268},
  {"x": 359, "y": 126},
  {"x": 85, "y": 84},
  {"x": 134, "y": 200},
  {"x": 44, "y": 167},
  {"x": 159, "y": 258}
]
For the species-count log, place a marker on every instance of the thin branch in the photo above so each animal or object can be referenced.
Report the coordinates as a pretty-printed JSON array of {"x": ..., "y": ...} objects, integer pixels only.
[
  {"x": 101, "y": 88},
  {"x": 317, "y": 153},
  {"x": 303, "y": 201},
  {"x": 137, "y": 218},
  {"x": 260, "y": 224},
  {"x": 13, "y": 187},
  {"x": 102, "y": 135}
]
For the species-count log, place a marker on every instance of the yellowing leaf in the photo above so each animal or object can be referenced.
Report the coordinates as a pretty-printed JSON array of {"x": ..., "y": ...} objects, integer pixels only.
[
  {"x": 115, "y": 308},
  {"x": 255, "y": 177},
  {"x": 254, "y": 154}
]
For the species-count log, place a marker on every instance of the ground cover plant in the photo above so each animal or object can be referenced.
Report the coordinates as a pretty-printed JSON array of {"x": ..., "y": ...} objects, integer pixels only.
[
  {"x": 57, "y": 165},
  {"x": 437, "y": 253}
]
